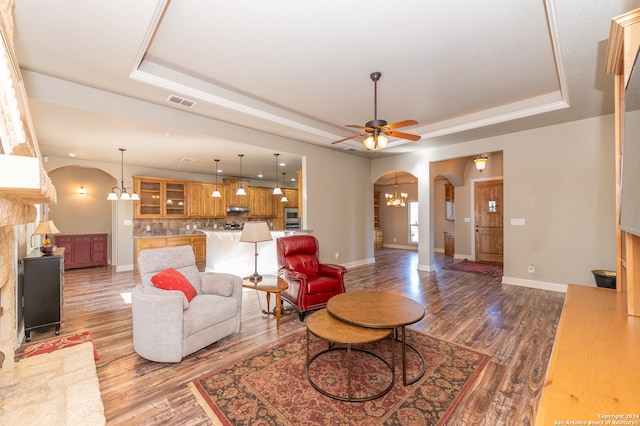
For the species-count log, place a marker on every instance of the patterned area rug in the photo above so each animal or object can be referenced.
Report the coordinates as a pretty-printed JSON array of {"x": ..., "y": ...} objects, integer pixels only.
[
  {"x": 271, "y": 387},
  {"x": 486, "y": 268},
  {"x": 59, "y": 343}
]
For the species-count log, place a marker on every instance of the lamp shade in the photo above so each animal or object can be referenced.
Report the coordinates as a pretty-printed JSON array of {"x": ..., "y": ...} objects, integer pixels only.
[
  {"x": 255, "y": 232},
  {"x": 46, "y": 227}
]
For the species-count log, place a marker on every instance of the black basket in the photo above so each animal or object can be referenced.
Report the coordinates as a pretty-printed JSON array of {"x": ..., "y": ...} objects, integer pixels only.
[{"x": 605, "y": 279}]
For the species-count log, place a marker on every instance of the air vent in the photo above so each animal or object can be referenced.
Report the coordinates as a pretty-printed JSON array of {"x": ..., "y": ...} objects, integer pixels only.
[
  {"x": 182, "y": 101},
  {"x": 187, "y": 160}
]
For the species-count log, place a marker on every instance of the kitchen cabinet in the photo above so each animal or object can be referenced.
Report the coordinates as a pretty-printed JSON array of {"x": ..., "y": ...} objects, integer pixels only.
[
  {"x": 42, "y": 282},
  {"x": 232, "y": 187},
  {"x": 261, "y": 201},
  {"x": 197, "y": 242},
  {"x": 292, "y": 197},
  {"x": 159, "y": 197},
  {"x": 83, "y": 250},
  {"x": 202, "y": 204}
]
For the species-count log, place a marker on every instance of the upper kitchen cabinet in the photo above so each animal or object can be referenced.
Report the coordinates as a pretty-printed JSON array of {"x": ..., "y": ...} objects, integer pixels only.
[
  {"x": 261, "y": 201},
  {"x": 292, "y": 197},
  {"x": 234, "y": 200},
  {"x": 159, "y": 197},
  {"x": 202, "y": 204}
]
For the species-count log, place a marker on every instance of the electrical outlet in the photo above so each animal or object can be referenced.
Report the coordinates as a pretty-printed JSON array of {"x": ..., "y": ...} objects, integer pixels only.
[
  {"x": 195, "y": 226},
  {"x": 188, "y": 227},
  {"x": 148, "y": 227},
  {"x": 532, "y": 269},
  {"x": 337, "y": 255}
]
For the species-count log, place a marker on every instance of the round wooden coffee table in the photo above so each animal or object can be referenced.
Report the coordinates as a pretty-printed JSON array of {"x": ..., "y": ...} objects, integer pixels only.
[
  {"x": 379, "y": 309},
  {"x": 331, "y": 329}
]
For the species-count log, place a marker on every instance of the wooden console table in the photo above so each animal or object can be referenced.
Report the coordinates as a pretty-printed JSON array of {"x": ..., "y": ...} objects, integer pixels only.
[{"x": 593, "y": 370}]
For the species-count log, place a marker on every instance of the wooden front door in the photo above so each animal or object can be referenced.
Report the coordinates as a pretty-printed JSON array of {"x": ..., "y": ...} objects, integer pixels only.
[{"x": 489, "y": 220}]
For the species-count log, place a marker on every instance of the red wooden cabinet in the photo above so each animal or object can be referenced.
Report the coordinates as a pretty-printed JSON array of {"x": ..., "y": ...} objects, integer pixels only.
[{"x": 83, "y": 250}]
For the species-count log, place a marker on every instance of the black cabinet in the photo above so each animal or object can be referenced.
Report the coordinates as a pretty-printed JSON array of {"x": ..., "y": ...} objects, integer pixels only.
[{"x": 42, "y": 283}]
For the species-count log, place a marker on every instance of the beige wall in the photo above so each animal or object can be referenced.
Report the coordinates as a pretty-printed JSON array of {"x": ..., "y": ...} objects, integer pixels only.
[
  {"x": 82, "y": 214},
  {"x": 560, "y": 179},
  {"x": 394, "y": 221}
]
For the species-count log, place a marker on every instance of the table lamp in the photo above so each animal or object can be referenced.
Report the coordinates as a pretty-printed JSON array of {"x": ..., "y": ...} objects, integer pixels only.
[
  {"x": 45, "y": 228},
  {"x": 255, "y": 232}
]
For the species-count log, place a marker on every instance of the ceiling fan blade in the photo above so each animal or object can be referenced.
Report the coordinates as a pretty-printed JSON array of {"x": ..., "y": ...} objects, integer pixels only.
[
  {"x": 350, "y": 137},
  {"x": 355, "y": 126},
  {"x": 401, "y": 124},
  {"x": 403, "y": 135}
]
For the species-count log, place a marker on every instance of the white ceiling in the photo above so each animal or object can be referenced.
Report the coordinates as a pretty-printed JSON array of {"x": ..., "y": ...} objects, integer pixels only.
[{"x": 98, "y": 74}]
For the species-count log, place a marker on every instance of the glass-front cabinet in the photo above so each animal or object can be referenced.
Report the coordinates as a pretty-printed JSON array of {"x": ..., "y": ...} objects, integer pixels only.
[{"x": 159, "y": 197}]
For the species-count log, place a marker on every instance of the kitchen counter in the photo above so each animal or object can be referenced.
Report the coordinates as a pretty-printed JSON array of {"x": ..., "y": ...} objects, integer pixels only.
[
  {"x": 166, "y": 233},
  {"x": 226, "y": 253}
]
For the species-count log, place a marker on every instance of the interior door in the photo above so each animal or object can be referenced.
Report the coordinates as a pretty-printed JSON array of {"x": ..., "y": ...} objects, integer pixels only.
[{"x": 488, "y": 220}]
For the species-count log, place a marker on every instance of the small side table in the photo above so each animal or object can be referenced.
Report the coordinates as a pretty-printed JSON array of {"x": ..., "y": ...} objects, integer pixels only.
[{"x": 270, "y": 284}]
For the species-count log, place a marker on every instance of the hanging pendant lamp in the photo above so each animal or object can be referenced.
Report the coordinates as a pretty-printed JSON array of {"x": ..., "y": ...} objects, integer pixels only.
[
  {"x": 241, "y": 190},
  {"x": 277, "y": 190},
  {"x": 393, "y": 199},
  {"x": 122, "y": 192},
  {"x": 216, "y": 193},
  {"x": 284, "y": 198}
]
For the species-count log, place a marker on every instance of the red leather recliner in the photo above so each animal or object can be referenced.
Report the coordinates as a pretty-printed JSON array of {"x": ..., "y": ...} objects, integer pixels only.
[{"x": 311, "y": 283}]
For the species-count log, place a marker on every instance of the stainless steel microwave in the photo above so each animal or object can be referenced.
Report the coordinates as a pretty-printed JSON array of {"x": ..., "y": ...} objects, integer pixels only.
[{"x": 290, "y": 213}]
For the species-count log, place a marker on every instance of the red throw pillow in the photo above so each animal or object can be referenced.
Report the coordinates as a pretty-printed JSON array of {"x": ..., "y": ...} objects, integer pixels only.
[{"x": 170, "y": 279}]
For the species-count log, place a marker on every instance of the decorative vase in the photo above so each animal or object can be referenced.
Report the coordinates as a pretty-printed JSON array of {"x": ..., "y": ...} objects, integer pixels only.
[{"x": 48, "y": 249}]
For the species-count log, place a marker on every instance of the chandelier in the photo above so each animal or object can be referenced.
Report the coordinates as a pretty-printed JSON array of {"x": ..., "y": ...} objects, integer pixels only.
[
  {"x": 122, "y": 193},
  {"x": 393, "y": 199}
]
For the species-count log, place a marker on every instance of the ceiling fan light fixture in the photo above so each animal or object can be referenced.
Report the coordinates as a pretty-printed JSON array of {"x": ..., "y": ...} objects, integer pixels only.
[
  {"x": 382, "y": 141},
  {"x": 369, "y": 143}
]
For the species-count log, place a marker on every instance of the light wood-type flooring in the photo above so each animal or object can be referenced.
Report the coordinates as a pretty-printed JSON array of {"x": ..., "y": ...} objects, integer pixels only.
[{"x": 515, "y": 325}]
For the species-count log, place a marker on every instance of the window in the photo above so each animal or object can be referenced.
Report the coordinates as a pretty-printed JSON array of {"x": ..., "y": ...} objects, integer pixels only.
[{"x": 413, "y": 222}]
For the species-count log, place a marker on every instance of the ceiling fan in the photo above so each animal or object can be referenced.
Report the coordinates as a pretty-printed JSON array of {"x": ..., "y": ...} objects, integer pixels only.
[{"x": 376, "y": 130}]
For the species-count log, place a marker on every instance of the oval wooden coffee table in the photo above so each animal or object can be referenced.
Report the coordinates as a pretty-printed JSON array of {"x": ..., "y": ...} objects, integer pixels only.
[
  {"x": 328, "y": 328},
  {"x": 380, "y": 309}
]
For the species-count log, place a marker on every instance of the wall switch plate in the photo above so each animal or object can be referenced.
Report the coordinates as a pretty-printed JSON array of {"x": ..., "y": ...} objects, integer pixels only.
[
  {"x": 467, "y": 219},
  {"x": 518, "y": 221},
  {"x": 532, "y": 269},
  {"x": 195, "y": 226},
  {"x": 188, "y": 227}
]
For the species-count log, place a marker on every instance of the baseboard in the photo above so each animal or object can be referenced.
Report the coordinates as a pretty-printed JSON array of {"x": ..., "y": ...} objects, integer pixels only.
[
  {"x": 426, "y": 268},
  {"x": 121, "y": 268},
  {"x": 541, "y": 285},
  {"x": 463, "y": 257},
  {"x": 437, "y": 250},
  {"x": 359, "y": 263},
  {"x": 401, "y": 247}
]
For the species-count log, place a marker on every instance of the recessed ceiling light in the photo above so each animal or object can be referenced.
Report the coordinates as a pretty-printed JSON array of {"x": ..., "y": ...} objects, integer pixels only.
[
  {"x": 260, "y": 175},
  {"x": 72, "y": 154},
  {"x": 166, "y": 133},
  {"x": 187, "y": 160}
]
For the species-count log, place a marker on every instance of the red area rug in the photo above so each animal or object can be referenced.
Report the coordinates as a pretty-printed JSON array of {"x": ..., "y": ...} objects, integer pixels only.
[
  {"x": 485, "y": 268},
  {"x": 59, "y": 343},
  {"x": 271, "y": 387}
]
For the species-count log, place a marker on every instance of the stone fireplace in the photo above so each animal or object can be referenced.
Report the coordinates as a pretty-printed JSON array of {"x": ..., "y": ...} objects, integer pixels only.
[{"x": 23, "y": 182}]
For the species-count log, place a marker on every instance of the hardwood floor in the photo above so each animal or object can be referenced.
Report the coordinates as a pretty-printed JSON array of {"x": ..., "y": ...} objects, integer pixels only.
[{"x": 515, "y": 325}]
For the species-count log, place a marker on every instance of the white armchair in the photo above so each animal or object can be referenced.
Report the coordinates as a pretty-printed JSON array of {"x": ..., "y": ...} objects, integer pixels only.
[{"x": 166, "y": 325}]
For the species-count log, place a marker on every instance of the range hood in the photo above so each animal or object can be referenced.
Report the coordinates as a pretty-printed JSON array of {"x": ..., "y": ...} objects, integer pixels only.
[{"x": 238, "y": 209}]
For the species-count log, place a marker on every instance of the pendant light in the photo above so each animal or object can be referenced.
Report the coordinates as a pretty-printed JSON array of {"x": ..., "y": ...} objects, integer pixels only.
[
  {"x": 241, "y": 190},
  {"x": 277, "y": 190},
  {"x": 216, "y": 193},
  {"x": 481, "y": 162},
  {"x": 284, "y": 198},
  {"x": 123, "y": 191},
  {"x": 393, "y": 199}
]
